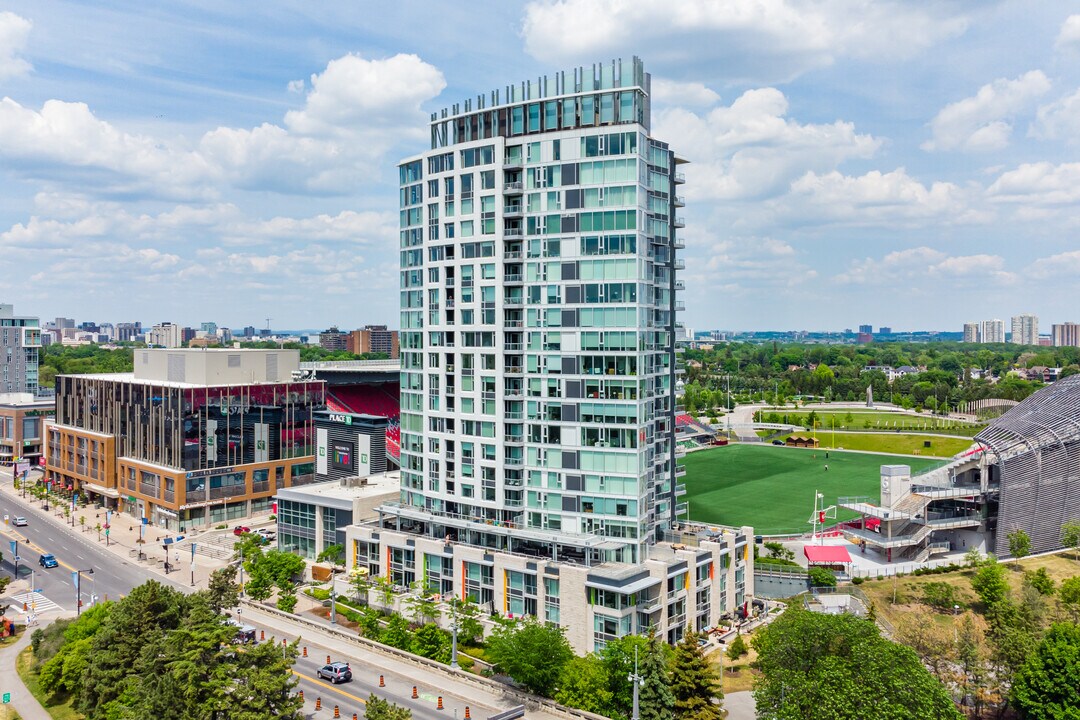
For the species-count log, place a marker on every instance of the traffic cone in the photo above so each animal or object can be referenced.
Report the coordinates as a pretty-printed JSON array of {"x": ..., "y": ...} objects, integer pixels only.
[
  {"x": 415, "y": 695},
  {"x": 24, "y": 607},
  {"x": 355, "y": 716},
  {"x": 382, "y": 681},
  {"x": 305, "y": 651},
  {"x": 262, "y": 635},
  {"x": 467, "y": 715},
  {"x": 327, "y": 659},
  {"x": 439, "y": 706},
  {"x": 301, "y": 693},
  {"x": 337, "y": 712},
  {"x": 318, "y": 703}
]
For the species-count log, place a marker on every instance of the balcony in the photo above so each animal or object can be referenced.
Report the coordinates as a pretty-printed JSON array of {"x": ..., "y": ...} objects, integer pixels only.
[
  {"x": 514, "y": 279},
  {"x": 513, "y": 369},
  {"x": 514, "y": 439},
  {"x": 680, "y": 222},
  {"x": 514, "y": 210},
  {"x": 512, "y": 188},
  {"x": 510, "y": 324},
  {"x": 513, "y": 301},
  {"x": 511, "y": 255},
  {"x": 680, "y": 306},
  {"x": 680, "y": 285},
  {"x": 680, "y": 264},
  {"x": 513, "y": 394},
  {"x": 679, "y": 244},
  {"x": 680, "y": 201},
  {"x": 512, "y": 163},
  {"x": 513, "y": 234},
  {"x": 513, "y": 347},
  {"x": 514, "y": 462},
  {"x": 680, "y": 178}
]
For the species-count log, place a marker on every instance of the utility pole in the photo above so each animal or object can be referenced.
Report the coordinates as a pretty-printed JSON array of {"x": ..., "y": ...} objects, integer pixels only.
[
  {"x": 637, "y": 681},
  {"x": 453, "y": 629},
  {"x": 78, "y": 589}
]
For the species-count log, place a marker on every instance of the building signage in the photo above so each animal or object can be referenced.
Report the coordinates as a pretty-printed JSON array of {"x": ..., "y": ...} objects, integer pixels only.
[
  {"x": 342, "y": 459},
  {"x": 208, "y": 473},
  {"x": 341, "y": 418}
]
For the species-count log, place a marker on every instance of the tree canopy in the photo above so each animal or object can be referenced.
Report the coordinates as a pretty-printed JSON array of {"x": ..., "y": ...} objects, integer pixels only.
[
  {"x": 532, "y": 653},
  {"x": 838, "y": 667}
]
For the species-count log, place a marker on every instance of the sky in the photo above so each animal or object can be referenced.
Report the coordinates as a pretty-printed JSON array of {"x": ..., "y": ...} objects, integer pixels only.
[{"x": 913, "y": 165}]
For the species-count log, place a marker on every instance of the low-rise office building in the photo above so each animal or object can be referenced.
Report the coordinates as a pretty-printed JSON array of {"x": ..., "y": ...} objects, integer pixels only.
[
  {"x": 314, "y": 517},
  {"x": 190, "y": 438},
  {"x": 21, "y": 433}
]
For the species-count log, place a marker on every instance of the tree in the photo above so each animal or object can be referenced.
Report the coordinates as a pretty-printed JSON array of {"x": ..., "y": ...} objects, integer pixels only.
[
  {"x": 422, "y": 607},
  {"x": 777, "y": 551},
  {"x": 737, "y": 648},
  {"x": 618, "y": 657},
  {"x": 396, "y": 634},
  {"x": 361, "y": 584},
  {"x": 1045, "y": 687},
  {"x": 1069, "y": 594},
  {"x": 432, "y": 642},
  {"x": 973, "y": 558},
  {"x": 531, "y": 653},
  {"x": 838, "y": 667},
  {"x": 820, "y": 577},
  {"x": 929, "y": 639},
  {"x": 222, "y": 590},
  {"x": 286, "y": 601},
  {"x": 1070, "y": 537},
  {"x": 989, "y": 582},
  {"x": 656, "y": 699},
  {"x": 1040, "y": 580},
  {"x": 584, "y": 684},
  {"x": 467, "y": 616},
  {"x": 333, "y": 554},
  {"x": 1019, "y": 545},
  {"x": 940, "y": 595},
  {"x": 377, "y": 708},
  {"x": 694, "y": 683}
]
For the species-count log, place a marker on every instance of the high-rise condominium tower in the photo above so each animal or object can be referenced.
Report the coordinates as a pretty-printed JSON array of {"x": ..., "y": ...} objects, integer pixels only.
[
  {"x": 1025, "y": 329},
  {"x": 538, "y": 280}
]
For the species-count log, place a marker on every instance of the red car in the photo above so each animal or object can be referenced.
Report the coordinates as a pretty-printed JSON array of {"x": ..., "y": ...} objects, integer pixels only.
[{"x": 240, "y": 530}]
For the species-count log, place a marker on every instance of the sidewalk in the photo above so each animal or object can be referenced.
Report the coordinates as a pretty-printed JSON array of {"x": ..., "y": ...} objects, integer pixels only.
[
  {"x": 22, "y": 701},
  {"x": 124, "y": 536}
]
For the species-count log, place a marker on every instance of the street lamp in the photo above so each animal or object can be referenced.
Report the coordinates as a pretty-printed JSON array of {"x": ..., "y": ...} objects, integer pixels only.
[
  {"x": 78, "y": 589},
  {"x": 637, "y": 681},
  {"x": 453, "y": 630}
]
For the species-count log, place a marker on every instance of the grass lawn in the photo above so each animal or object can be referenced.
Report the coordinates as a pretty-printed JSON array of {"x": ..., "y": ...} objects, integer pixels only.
[
  {"x": 909, "y": 589},
  {"x": 737, "y": 676},
  {"x": 887, "y": 421},
  {"x": 7, "y": 713},
  {"x": 772, "y": 488},
  {"x": 898, "y": 444},
  {"x": 58, "y": 706}
]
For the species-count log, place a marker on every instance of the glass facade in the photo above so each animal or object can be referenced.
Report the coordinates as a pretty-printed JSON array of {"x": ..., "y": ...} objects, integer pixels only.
[{"x": 537, "y": 387}]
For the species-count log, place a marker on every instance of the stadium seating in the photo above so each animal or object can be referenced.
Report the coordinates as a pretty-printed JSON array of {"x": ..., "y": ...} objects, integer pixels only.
[{"x": 380, "y": 400}]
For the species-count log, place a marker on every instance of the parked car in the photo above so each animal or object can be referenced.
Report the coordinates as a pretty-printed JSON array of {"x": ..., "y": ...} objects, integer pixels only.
[
  {"x": 240, "y": 530},
  {"x": 777, "y": 442},
  {"x": 335, "y": 672},
  {"x": 267, "y": 534},
  {"x": 21, "y": 522},
  {"x": 48, "y": 560}
]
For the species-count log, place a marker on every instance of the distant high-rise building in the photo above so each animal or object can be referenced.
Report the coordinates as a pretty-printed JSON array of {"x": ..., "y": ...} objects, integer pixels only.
[
  {"x": 20, "y": 340},
  {"x": 1065, "y": 334},
  {"x": 62, "y": 322},
  {"x": 866, "y": 329},
  {"x": 166, "y": 334},
  {"x": 1025, "y": 329},
  {"x": 249, "y": 331},
  {"x": 884, "y": 330},
  {"x": 332, "y": 339},
  {"x": 373, "y": 339},
  {"x": 210, "y": 328},
  {"x": 127, "y": 332},
  {"x": 993, "y": 331},
  {"x": 971, "y": 332}
]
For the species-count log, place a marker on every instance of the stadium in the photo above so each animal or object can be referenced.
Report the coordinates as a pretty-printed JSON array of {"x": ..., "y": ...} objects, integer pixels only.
[
  {"x": 1022, "y": 474},
  {"x": 364, "y": 387}
]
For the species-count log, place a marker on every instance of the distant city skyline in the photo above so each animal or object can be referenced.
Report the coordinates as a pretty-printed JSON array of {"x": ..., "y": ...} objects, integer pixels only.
[{"x": 187, "y": 159}]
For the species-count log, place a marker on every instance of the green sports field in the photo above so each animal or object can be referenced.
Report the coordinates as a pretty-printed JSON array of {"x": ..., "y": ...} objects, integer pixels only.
[{"x": 772, "y": 488}]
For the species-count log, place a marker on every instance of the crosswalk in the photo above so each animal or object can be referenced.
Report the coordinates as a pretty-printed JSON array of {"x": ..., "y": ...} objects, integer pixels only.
[{"x": 35, "y": 602}]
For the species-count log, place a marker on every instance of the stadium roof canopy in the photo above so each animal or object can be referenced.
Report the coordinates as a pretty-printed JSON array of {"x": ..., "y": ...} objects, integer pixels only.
[{"x": 1049, "y": 418}]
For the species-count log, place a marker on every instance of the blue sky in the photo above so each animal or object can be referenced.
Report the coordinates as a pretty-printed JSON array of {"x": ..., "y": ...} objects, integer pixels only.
[{"x": 895, "y": 163}]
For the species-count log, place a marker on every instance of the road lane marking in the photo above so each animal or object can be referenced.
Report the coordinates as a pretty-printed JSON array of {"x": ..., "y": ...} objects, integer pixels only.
[{"x": 328, "y": 686}]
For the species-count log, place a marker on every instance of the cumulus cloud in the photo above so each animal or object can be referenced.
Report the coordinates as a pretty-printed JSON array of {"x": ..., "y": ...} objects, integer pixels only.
[
  {"x": 1069, "y": 36},
  {"x": 985, "y": 121},
  {"x": 1063, "y": 265},
  {"x": 1059, "y": 119},
  {"x": 14, "y": 31},
  {"x": 876, "y": 198},
  {"x": 765, "y": 41},
  {"x": 918, "y": 266},
  {"x": 1040, "y": 183},
  {"x": 351, "y": 117},
  {"x": 751, "y": 150},
  {"x": 673, "y": 92}
]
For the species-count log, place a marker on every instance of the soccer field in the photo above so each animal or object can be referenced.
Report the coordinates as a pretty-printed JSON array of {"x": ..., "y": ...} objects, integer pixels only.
[{"x": 772, "y": 488}]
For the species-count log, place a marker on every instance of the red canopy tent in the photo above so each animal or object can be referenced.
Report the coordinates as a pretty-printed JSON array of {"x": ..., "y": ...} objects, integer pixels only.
[{"x": 826, "y": 555}]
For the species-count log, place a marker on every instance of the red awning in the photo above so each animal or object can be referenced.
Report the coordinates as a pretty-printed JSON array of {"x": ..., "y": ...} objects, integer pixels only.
[{"x": 826, "y": 554}]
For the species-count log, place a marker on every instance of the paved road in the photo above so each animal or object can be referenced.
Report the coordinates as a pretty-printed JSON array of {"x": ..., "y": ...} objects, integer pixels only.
[{"x": 115, "y": 575}]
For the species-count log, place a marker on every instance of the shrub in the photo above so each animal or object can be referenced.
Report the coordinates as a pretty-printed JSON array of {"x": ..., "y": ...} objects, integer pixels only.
[
  {"x": 1041, "y": 581},
  {"x": 859, "y": 580},
  {"x": 737, "y": 648},
  {"x": 940, "y": 595},
  {"x": 820, "y": 577}
]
